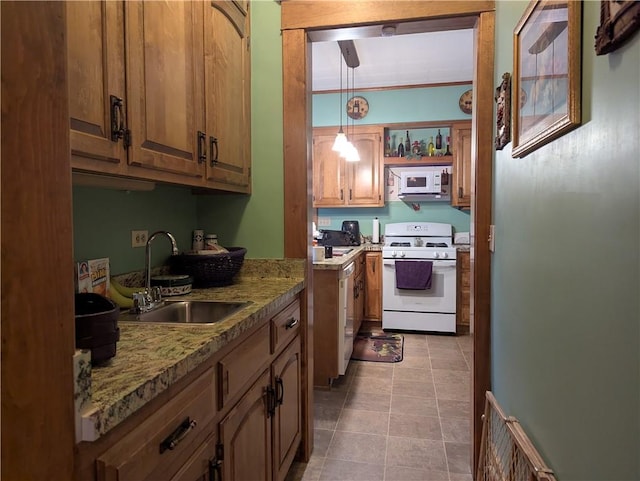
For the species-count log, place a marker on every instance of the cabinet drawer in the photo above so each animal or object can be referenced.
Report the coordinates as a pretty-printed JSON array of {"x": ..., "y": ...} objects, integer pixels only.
[
  {"x": 285, "y": 325},
  {"x": 147, "y": 452},
  {"x": 243, "y": 363}
]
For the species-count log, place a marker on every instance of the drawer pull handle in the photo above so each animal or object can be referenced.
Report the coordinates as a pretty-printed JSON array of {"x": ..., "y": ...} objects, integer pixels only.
[
  {"x": 291, "y": 323},
  {"x": 172, "y": 441}
]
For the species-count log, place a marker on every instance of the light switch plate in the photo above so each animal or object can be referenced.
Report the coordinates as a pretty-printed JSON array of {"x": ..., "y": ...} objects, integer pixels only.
[
  {"x": 324, "y": 221},
  {"x": 492, "y": 238}
]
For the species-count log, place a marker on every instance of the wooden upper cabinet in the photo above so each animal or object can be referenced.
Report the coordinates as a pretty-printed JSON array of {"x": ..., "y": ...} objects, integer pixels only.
[
  {"x": 227, "y": 95},
  {"x": 95, "y": 64},
  {"x": 328, "y": 173},
  {"x": 338, "y": 183},
  {"x": 165, "y": 74},
  {"x": 365, "y": 176},
  {"x": 461, "y": 184}
]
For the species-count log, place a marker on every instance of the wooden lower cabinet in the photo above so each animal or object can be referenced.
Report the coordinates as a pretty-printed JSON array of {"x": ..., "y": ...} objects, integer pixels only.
[
  {"x": 287, "y": 417},
  {"x": 359, "y": 294},
  {"x": 260, "y": 435},
  {"x": 202, "y": 465},
  {"x": 463, "y": 292},
  {"x": 245, "y": 434},
  {"x": 236, "y": 417},
  {"x": 373, "y": 286}
]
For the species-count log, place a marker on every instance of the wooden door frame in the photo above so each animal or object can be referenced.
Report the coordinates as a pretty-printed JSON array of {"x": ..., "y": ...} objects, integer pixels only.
[
  {"x": 38, "y": 340},
  {"x": 298, "y": 17}
]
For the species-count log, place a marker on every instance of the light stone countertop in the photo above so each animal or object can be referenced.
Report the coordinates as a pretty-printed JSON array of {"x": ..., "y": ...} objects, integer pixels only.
[
  {"x": 150, "y": 358},
  {"x": 338, "y": 262}
]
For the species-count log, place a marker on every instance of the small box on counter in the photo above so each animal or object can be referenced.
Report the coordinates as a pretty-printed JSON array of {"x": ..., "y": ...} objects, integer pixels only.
[{"x": 93, "y": 276}]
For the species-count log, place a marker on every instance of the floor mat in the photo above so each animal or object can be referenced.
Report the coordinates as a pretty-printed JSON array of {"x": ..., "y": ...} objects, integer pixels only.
[{"x": 378, "y": 347}]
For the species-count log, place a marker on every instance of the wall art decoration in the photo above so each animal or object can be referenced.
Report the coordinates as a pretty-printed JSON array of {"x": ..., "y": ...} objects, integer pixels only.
[
  {"x": 547, "y": 72},
  {"x": 503, "y": 112},
  {"x": 619, "y": 20}
]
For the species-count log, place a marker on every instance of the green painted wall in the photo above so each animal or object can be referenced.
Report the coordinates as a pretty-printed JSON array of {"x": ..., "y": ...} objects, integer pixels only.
[
  {"x": 103, "y": 220},
  {"x": 390, "y": 106},
  {"x": 566, "y": 271},
  {"x": 257, "y": 221}
]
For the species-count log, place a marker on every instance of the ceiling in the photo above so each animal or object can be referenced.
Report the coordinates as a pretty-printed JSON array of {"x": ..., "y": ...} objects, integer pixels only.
[{"x": 415, "y": 55}]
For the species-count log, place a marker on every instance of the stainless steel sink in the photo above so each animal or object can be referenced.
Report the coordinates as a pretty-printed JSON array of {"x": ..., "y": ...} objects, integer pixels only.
[
  {"x": 341, "y": 251},
  {"x": 176, "y": 311}
]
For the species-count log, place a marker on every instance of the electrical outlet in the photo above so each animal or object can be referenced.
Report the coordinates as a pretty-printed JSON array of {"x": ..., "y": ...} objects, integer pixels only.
[
  {"x": 139, "y": 238},
  {"x": 324, "y": 221}
]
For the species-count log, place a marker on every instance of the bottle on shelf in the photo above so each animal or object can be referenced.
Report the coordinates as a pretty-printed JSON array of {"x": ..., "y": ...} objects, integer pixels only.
[
  {"x": 401, "y": 148},
  {"x": 448, "y": 152},
  {"x": 415, "y": 149},
  {"x": 431, "y": 149},
  {"x": 387, "y": 147},
  {"x": 438, "y": 141},
  {"x": 407, "y": 144}
]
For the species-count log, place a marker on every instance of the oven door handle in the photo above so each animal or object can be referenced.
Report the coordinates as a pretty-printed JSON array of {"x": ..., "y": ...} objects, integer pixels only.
[{"x": 436, "y": 264}]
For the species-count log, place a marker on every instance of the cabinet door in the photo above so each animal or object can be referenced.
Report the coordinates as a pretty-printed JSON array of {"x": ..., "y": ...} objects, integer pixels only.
[
  {"x": 373, "y": 289},
  {"x": 201, "y": 465},
  {"x": 365, "y": 177},
  {"x": 287, "y": 422},
  {"x": 328, "y": 173},
  {"x": 245, "y": 434},
  {"x": 463, "y": 292},
  {"x": 95, "y": 63},
  {"x": 165, "y": 87},
  {"x": 227, "y": 96},
  {"x": 461, "y": 188}
]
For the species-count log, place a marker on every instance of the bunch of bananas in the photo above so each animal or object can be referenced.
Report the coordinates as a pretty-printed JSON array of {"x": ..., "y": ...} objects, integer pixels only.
[{"x": 122, "y": 295}]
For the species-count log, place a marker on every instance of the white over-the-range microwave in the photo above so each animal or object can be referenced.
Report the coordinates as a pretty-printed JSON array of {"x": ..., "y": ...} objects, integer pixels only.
[{"x": 426, "y": 184}]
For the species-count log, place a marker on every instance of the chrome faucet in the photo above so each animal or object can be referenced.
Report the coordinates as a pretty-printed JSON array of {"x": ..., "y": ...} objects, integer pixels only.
[
  {"x": 151, "y": 298},
  {"x": 147, "y": 266}
]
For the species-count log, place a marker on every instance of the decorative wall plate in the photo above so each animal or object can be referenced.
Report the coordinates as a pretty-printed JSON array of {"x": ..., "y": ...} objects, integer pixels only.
[
  {"x": 465, "y": 101},
  {"x": 357, "y": 107}
]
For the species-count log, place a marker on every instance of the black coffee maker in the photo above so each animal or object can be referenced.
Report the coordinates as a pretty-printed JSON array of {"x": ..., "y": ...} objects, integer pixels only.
[{"x": 353, "y": 228}]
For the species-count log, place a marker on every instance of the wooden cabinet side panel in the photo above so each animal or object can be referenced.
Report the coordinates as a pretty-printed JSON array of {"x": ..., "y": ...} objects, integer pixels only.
[
  {"x": 95, "y": 67},
  {"x": 164, "y": 85},
  {"x": 325, "y": 326}
]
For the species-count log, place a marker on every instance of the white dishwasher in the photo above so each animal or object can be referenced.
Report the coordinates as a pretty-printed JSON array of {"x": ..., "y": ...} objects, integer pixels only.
[{"x": 346, "y": 313}]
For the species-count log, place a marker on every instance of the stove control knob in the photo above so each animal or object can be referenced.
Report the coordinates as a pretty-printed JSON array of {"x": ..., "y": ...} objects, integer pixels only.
[
  {"x": 444, "y": 255},
  {"x": 394, "y": 254},
  {"x": 402, "y": 254},
  {"x": 436, "y": 255}
]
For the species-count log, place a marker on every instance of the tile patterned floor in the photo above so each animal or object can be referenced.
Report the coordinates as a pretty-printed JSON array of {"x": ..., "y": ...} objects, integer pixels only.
[{"x": 396, "y": 422}]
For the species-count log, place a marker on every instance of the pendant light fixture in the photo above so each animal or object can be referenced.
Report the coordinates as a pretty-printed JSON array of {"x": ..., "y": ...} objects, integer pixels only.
[
  {"x": 351, "y": 154},
  {"x": 341, "y": 139}
]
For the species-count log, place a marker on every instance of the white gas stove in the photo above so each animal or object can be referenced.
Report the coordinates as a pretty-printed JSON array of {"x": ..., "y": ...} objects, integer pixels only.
[
  {"x": 418, "y": 240},
  {"x": 427, "y": 245}
]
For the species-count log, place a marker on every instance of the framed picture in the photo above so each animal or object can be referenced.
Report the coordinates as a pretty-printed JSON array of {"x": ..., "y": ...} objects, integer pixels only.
[
  {"x": 546, "y": 73},
  {"x": 619, "y": 20},
  {"x": 503, "y": 112}
]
